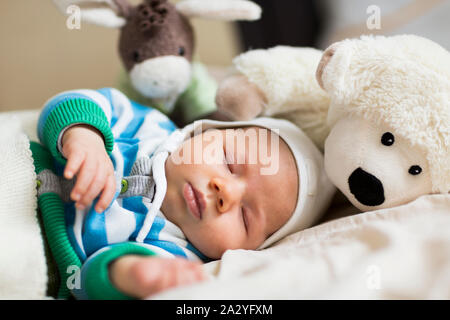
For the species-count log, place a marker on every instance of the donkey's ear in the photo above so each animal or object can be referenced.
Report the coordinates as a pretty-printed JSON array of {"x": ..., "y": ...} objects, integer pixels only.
[
  {"x": 228, "y": 10},
  {"x": 105, "y": 13}
]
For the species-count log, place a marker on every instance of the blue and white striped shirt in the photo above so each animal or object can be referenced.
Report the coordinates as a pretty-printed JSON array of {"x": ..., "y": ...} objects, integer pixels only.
[{"x": 139, "y": 132}]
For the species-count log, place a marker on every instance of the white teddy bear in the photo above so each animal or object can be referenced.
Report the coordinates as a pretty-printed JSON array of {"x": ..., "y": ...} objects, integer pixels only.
[{"x": 387, "y": 106}]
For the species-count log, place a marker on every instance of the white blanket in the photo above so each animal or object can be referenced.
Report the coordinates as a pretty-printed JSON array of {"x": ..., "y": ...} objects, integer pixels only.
[
  {"x": 398, "y": 253},
  {"x": 23, "y": 272}
]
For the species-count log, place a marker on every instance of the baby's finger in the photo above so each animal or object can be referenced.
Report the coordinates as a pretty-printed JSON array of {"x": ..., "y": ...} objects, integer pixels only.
[
  {"x": 74, "y": 162},
  {"x": 107, "y": 194},
  {"x": 184, "y": 274},
  {"x": 94, "y": 189},
  {"x": 199, "y": 273},
  {"x": 188, "y": 277},
  {"x": 84, "y": 178}
]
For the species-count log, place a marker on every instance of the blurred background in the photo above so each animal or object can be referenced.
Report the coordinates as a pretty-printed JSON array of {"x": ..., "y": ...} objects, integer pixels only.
[{"x": 40, "y": 57}]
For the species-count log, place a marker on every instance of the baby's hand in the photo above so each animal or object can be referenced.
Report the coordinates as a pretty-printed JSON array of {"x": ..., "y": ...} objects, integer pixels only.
[
  {"x": 84, "y": 149},
  {"x": 140, "y": 276}
]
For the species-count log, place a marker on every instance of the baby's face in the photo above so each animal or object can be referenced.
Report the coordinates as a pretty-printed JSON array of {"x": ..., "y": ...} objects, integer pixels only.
[{"x": 220, "y": 196}]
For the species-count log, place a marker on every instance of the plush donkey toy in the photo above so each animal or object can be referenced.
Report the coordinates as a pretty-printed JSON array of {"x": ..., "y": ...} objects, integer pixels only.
[{"x": 156, "y": 43}]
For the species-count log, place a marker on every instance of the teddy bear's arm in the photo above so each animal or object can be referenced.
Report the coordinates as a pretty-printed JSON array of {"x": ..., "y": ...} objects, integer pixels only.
[{"x": 239, "y": 99}]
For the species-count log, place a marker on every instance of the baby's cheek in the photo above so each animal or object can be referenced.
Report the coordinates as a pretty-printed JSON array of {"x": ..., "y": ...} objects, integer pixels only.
[{"x": 213, "y": 242}]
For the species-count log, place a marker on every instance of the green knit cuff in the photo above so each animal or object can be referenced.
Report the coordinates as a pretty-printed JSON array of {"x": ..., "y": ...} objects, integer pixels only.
[
  {"x": 75, "y": 111},
  {"x": 97, "y": 284},
  {"x": 42, "y": 159}
]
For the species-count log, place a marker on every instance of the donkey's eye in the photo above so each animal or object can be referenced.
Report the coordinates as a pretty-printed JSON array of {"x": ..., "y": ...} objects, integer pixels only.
[
  {"x": 136, "y": 56},
  {"x": 181, "y": 51}
]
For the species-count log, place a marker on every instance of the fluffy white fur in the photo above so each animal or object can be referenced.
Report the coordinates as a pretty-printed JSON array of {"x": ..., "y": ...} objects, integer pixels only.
[
  {"x": 286, "y": 76},
  {"x": 401, "y": 81},
  {"x": 355, "y": 142}
]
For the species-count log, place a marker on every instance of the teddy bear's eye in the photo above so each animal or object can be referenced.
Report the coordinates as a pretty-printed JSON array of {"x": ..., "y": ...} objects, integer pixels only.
[
  {"x": 181, "y": 51},
  {"x": 415, "y": 170},
  {"x": 387, "y": 139}
]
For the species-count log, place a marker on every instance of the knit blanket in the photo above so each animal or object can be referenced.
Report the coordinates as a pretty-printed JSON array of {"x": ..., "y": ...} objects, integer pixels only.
[{"x": 23, "y": 270}]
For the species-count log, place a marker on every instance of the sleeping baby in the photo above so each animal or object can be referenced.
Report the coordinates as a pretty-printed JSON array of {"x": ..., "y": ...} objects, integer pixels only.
[{"x": 139, "y": 204}]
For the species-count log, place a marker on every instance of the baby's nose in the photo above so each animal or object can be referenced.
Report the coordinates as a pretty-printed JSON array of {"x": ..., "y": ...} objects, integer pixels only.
[{"x": 228, "y": 193}]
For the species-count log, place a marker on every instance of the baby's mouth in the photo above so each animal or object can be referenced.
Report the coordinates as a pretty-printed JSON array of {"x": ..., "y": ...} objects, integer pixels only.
[{"x": 195, "y": 200}]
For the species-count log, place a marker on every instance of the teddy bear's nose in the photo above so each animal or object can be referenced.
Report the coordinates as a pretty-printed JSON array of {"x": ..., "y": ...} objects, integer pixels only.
[{"x": 366, "y": 188}]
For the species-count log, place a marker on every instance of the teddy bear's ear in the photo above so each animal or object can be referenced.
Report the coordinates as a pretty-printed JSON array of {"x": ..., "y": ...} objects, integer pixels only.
[
  {"x": 326, "y": 56},
  {"x": 333, "y": 67}
]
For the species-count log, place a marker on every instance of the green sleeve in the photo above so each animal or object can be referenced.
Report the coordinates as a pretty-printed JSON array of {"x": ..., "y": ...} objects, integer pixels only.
[
  {"x": 199, "y": 99},
  {"x": 95, "y": 281},
  {"x": 75, "y": 111}
]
